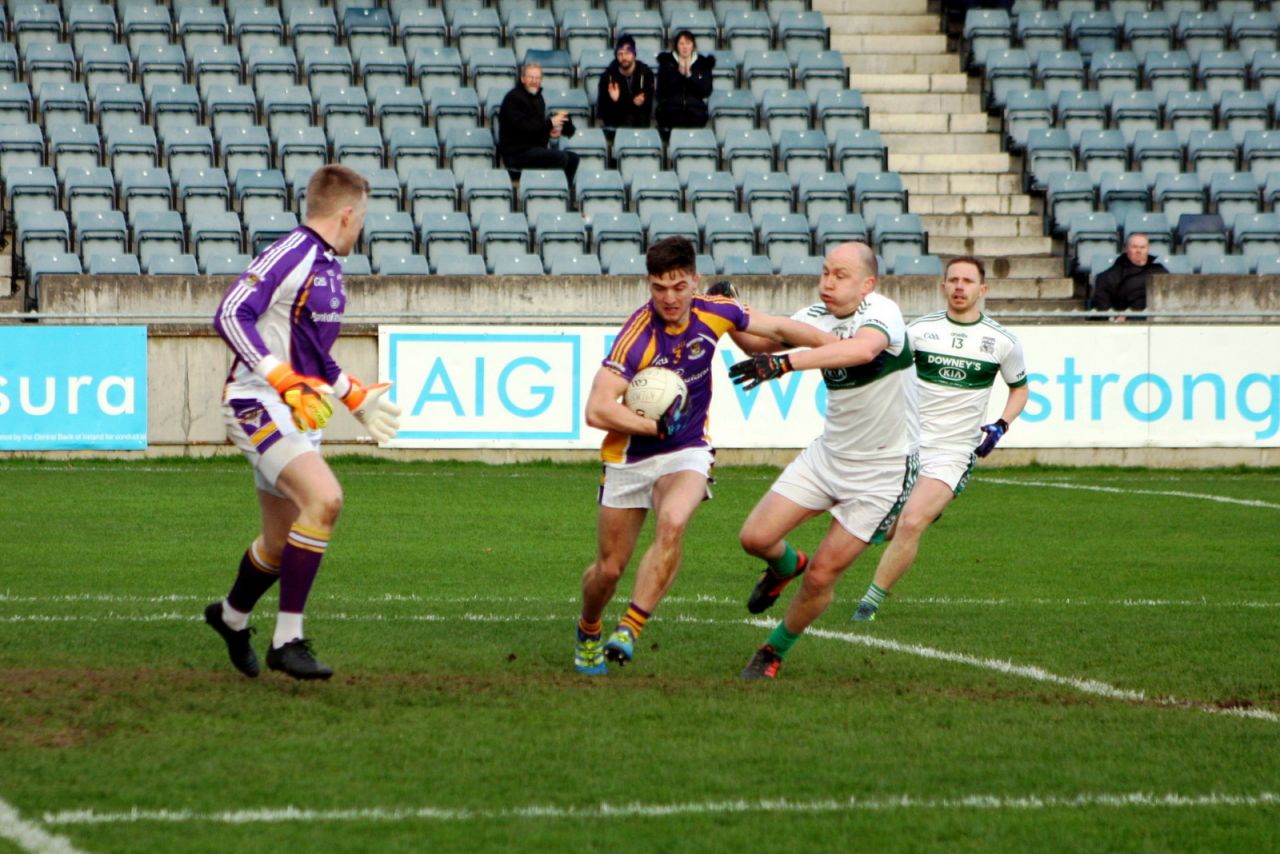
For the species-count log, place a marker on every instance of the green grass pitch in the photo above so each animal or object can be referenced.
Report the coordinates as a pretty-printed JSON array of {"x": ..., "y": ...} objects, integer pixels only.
[{"x": 1081, "y": 660}]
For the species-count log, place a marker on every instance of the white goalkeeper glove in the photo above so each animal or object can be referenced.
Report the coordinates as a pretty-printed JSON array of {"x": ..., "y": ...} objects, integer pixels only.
[{"x": 372, "y": 408}]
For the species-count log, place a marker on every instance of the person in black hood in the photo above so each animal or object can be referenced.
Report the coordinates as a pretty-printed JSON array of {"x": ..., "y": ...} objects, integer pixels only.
[
  {"x": 625, "y": 94},
  {"x": 1123, "y": 285},
  {"x": 526, "y": 133},
  {"x": 684, "y": 84}
]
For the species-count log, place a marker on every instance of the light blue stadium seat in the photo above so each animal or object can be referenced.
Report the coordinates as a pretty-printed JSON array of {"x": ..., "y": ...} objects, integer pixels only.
[
  {"x": 15, "y": 103},
  {"x": 591, "y": 147},
  {"x": 784, "y": 236},
  {"x": 314, "y": 26},
  {"x": 36, "y": 23},
  {"x": 1234, "y": 193},
  {"x": 700, "y": 22},
  {"x": 660, "y": 225},
  {"x": 158, "y": 233},
  {"x": 356, "y": 264},
  {"x": 1059, "y": 71},
  {"x": 747, "y": 151},
  {"x": 1225, "y": 265},
  {"x": 475, "y": 28},
  {"x": 388, "y": 236},
  {"x": 92, "y": 189},
  {"x": 1026, "y": 110},
  {"x": 119, "y": 104},
  {"x": 1113, "y": 72},
  {"x": 1252, "y": 30},
  {"x": 839, "y": 110},
  {"x": 747, "y": 30},
  {"x": 491, "y": 68},
  {"x": 767, "y": 193},
  {"x": 821, "y": 70},
  {"x": 795, "y": 266},
  {"x": 260, "y": 192},
  {"x": 637, "y": 150},
  {"x": 91, "y": 24},
  {"x": 1081, "y": 111},
  {"x": 501, "y": 234},
  {"x": 1007, "y": 71},
  {"x": 1219, "y": 71},
  {"x": 1093, "y": 32},
  {"x": 1179, "y": 265},
  {"x": 203, "y": 191},
  {"x": 1268, "y": 265},
  {"x": 444, "y": 235},
  {"x": 367, "y": 26},
  {"x": 1200, "y": 31},
  {"x": 1256, "y": 233},
  {"x": 215, "y": 235},
  {"x": 243, "y": 148},
  {"x": 584, "y": 29},
  {"x": 1090, "y": 235},
  {"x": 1123, "y": 193},
  {"x": 825, "y": 192},
  {"x": 783, "y": 110},
  {"x": 543, "y": 192},
  {"x": 692, "y": 150},
  {"x": 266, "y": 228},
  {"x": 1176, "y": 194},
  {"x": 645, "y": 27},
  {"x": 746, "y": 265},
  {"x": 145, "y": 24},
  {"x": 763, "y": 70},
  {"x": 70, "y": 146},
  {"x": 1147, "y": 31},
  {"x": 435, "y": 67},
  {"x": 341, "y": 106},
  {"x": 518, "y": 265},
  {"x": 569, "y": 100},
  {"x": 591, "y": 65},
  {"x": 145, "y": 190},
  {"x": 984, "y": 30},
  {"x": 854, "y": 152},
  {"x": 631, "y": 265},
  {"x": 1066, "y": 194},
  {"x": 357, "y": 146},
  {"x": 599, "y": 192},
  {"x": 24, "y": 145},
  {"x": 877, "y": 193},
  {"x": 1156, "y": 153},
  {"x": 1101, "y": 152},
  {"x": 616, "y": 235},
  {"x": 300, "y": 151},
  {"x": 575, "y": 265},
  {"x": 171, "y": 265},
  {"x": 328, "y": 66},
  {"x": 105, "y": 63},
  {"x": 101, "y": 232},
  {"x": 48, "y": 63},
  {"x": 430, "y": 191},
  {"x": 895, "y": 235},
  {"x": 381, "y": 66},
  {"x": 51, "y": 264},
  {"x": 174, "y": 107},
  {"x": 487, "y": 191},
  {"x": 1211, "y": 152},
  {"x": 107, "y": 264},
  {"x": 560, "y": 235},
  {"x": 1131, "y": 112},
  {"x": 412, "y": 149},
  {"x": 655, "y": 193},
  {"x": 918, "y": 265},
  {"x": 710, "y": 193},
  {"x": 38, "y": 232},
  {"x": 1242, "y": 111},
  {"x": 727, "y": 73},
  {"x": 833, "y": 229},
  {"x": 1167, "y": 71},
  {"x": 468, "y": 148},
  {"x": 1271, "y": 191},
  {"x": 1048, "y": 150},
  {"x": 727, "y": 235},
  {"x": 1041, "y": 29},
  {"x": 461, "y": 265},
  {"x": 1261, "y": 152},
  {"x": 62, "y": 104}
]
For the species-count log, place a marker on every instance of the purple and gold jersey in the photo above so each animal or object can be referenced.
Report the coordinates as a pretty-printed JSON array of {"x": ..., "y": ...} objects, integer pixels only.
[
  {"x": 646, "y": 341},
  {"x": 287, "y": 306}
]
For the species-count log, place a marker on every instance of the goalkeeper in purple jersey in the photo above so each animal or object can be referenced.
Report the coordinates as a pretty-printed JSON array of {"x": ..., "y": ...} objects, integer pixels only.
[
  {"x": 280, "y": 318},
  {"x": 662, "y": 464}
]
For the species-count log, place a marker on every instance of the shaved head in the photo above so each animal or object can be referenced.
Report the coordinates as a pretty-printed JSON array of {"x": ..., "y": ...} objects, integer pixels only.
[{"x": 856, "y": 254}]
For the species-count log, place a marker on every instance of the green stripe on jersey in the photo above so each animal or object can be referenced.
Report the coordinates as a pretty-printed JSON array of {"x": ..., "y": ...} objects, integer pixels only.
[
  {"x": 880, "y": 366},
  {"x": 955, "y": 371}
]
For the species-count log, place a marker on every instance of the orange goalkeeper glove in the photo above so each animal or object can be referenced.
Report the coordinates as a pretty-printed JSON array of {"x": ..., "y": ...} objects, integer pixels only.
[
  {"x": 305, "y": 396},
  {"x": 372, "y": 408}
]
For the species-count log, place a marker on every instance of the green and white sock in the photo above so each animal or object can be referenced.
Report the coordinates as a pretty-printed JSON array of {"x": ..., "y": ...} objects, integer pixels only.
[
  {"x": 782, "y": 639},
  {"x": 874, "y": 595},
  {"x": 787, "y": 562}
]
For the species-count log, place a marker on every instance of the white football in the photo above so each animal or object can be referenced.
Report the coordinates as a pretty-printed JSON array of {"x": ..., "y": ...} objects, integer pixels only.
[{"x": 653, "y": 390}]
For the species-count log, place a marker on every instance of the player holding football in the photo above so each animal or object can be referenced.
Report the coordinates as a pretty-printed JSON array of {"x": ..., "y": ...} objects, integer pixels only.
[
  {"x": 664, "y": 464},
  {"x": 860, "y": 470},
  {"x": 280, "y": 318},
  {"x": 958, "y": 353}
]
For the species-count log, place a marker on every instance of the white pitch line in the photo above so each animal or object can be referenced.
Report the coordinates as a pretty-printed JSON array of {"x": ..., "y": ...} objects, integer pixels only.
[
  {"x": 1008, "y": 668},
  {"x": 30, "y": 836},
  {"x": 1168, "y": 493},
  {"x": 1019, "y": 803},
  {"x": 1027, "y": 671}
]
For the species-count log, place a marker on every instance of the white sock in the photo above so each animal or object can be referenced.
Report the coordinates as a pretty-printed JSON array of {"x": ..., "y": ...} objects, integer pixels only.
[
  {"x": 288, "y": 628},
  {"x": 235, "y": 620}
]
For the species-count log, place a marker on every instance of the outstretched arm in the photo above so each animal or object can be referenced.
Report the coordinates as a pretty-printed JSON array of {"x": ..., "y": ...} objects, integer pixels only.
[{"x": 787, "y": 332}]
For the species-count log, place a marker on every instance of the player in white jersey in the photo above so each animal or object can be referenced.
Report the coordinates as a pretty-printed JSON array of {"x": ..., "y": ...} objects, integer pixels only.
[
  {"x": 859, "y": 470},
  {"x": 958, "y": 353}
]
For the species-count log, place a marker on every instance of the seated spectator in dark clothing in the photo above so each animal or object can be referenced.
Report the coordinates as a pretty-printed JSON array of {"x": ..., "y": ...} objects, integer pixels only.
[
  {"x": 625, "y": 96},
  {"x": 527, "y": 137},
  {"x": 1123, "y": 285},
  {"x": 684, "y": 84}
]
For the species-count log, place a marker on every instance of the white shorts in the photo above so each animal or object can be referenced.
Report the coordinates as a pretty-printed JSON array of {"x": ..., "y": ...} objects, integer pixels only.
[
  {"x": 865, "y": 497},
  {"x": 630, "y": 485},
  {"x": 951, "y": 467},
  {"x": 264, "y": 431}
]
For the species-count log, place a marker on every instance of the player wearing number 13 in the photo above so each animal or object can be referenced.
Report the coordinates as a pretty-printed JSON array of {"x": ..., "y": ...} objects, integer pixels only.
[
  {"x": 280, "y": 318},
  {"x": 958, "y": 354},
  {"x": 663, "y": 464}
]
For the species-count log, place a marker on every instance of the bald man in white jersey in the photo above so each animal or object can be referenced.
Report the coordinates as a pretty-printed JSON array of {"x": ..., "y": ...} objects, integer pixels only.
[
  {"x": 958, "y": 353},
  {"x": 859, "y": 470}
]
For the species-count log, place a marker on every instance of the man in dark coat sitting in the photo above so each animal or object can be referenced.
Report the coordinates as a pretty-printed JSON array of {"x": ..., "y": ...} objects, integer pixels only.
[
  {"x": 625, "y": 93},
  {"x": 527, "y": 137},
  {"x": 1123, "y": 285}
]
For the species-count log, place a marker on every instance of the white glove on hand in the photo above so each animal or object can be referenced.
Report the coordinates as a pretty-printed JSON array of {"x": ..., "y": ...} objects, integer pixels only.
[{"x": 372, "y": 408}]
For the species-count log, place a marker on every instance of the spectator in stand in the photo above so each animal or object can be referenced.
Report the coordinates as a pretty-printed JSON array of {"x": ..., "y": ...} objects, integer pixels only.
[
  {"x": 1123, "y": 285},
  {"x": 625, "y": 96},
  {"x": 684, "y": 84},
  {"x": 527, "y": 137}
]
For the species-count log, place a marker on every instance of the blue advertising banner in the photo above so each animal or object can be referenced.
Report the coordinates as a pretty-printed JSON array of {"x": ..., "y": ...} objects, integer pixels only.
[{"x": 66, "y": 387}]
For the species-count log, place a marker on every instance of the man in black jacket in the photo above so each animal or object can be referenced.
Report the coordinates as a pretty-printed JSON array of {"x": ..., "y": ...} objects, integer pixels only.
[
  {"x": 526, "y": 134},
  {"x": 625, "y": 94},
  {"x": 1123, "y": 285}
]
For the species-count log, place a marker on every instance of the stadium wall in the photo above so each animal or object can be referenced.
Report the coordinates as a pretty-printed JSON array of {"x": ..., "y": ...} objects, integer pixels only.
[{"x": 188, "y": 363}]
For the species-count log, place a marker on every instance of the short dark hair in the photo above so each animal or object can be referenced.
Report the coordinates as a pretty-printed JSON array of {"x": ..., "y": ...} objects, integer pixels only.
[
  {"x": 332, "y": 187},
  {"x": 685, "y": 34},
  {"x": 967, "y": 259},
  {"x": 671, "y": 253}
]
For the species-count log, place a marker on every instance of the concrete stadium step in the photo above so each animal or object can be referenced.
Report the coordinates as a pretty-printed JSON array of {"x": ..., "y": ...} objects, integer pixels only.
[
  {"x": 922, "y": 102},
  {"x": 951, "y": 84},
  {"x": 1003, "y": 203},
  {"x": 897, "y": 122},
  {"x": 999, "y": 163},
  {"x": 942, "y": 143},
  {"x": 982, "y": 225},
  {"x": 1005, "y": 289},
  {"x": 962, "y": 183},
  {"x": 858, "y": 41},
  {"x": 1004, "y": 266},
  {"x": 998, "y": 307},
  {"x": 869, "y": 7},
  {"x": 902, "y": 63},
  {"x": 991, "y": 247},
  {"x": 841, "y": 22}
]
